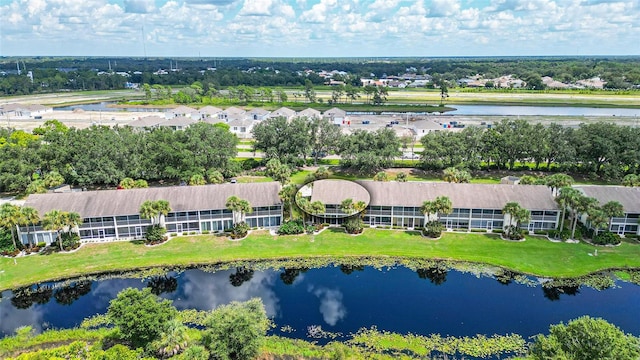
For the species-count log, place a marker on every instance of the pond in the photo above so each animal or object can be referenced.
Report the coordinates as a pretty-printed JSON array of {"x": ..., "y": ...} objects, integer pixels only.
[
  {"x": 343, "y": 300},
  {"x": 496, "y": 110}
]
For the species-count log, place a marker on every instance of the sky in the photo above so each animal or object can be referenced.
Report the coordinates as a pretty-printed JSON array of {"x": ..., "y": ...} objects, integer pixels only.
[{"x": 319, "y": 28}]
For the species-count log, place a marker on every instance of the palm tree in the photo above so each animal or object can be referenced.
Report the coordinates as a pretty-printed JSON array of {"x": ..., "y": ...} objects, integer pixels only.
[
  {"x": 317, "y": 207},
  {"x": 287, "y": 195},
  {"x": 598, "y": 219},
  {"x": 173, "y": 340},
  {"x": 239, "y": 207},
  {"x": 558, "y": 181},
  {"x": 10, "y": 217},
  {"x": 359, "y": 206},
  {"x": 450, "y": 174},
  {"x": 612, "y": 209},
  {"x": 155, "y": 211},
  {"x": 512, "y": 209},
  {"x": 443, "y": 205},
  {"x": 31, "y": 217},
  {"x": 71, "y": 221},
  {"x": 54, "y": 221},
  {"x": 522, "y": 216},
  {"x": 347, "y": 206},
  {"x": 582, "y": 205},
  {"x": 428, "y": 208},
  {"x": 567, "y": 196}
]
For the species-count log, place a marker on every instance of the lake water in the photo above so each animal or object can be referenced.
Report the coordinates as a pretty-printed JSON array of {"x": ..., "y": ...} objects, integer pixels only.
[
  {"x": 496, "y": 110},
  {"x": 394, "y": 299}
]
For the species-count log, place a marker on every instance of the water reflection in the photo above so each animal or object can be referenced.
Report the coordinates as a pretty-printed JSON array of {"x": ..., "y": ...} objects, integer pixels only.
[
  {"x": 462, "y": 302},
  {"x": 436, "y": 274},
  {"x": 206, "y": 291},
  {"x": 288, "y": 276},
  {"x": 163, "y": 284},
  {"x": 331, "y": 306}
]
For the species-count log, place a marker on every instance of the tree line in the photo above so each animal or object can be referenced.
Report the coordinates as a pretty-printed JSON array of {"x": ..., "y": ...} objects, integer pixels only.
[
  {"x": 100, "y": 155},
  {"x": 605, "y": 150}
]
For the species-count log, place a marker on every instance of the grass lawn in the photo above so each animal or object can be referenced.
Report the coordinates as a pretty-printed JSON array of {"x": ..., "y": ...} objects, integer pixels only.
[{"x": 534, "y": 256}]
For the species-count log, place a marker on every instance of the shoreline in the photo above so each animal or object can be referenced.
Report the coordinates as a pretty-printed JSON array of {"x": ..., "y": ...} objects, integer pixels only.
[{"x": 535, "y": 257}]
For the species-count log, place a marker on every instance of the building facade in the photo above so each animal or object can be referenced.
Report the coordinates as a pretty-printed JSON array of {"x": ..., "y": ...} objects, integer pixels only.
[
  {"x": 111, "y": 215},
  {"x": 628, "y": 197}
]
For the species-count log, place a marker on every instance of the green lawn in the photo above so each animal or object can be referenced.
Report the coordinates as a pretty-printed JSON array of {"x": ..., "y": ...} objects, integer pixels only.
[{"x": 534, "y": 256}]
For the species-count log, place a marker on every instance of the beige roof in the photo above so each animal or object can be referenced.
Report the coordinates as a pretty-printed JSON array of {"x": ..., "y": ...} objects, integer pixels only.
[
  {"x": 331, "y": 191},
  {"x": 179, "y": 121},
  {"x": 241, "y": 122},
  {"x": 147, "y": 121},
  {"x": 310, "y": 113},
  {"x": 259, "y": 111},
  {"x": 335, "y": 112},
  {"x": 182, "y": 110},
  {"x": 629, "y": 197},
  {"x": 210, "y": 110},
  {"x": 283, "y": 111},
  {"x": 181, "y": 198},
  {"x": 232, "y": 110},
  {"x": 467, "y": 196}
]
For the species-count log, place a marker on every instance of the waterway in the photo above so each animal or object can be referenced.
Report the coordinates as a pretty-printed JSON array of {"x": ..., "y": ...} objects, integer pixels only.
[
  {"x": 344, "y": 300},
  {"x": 495, "y": 110}
]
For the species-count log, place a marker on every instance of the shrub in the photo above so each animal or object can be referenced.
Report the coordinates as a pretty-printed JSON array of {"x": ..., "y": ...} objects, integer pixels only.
[
  {"x": 513, "y": 233},
  {"x": 205, "y": 232},
  {"x": 155, "y": 234},
  {"x": 292, "y": 227},
  {"x": 557, "y": 234},
  {"x": 41, "y": 244},
  {"x": 381, "y": 176},
  {"x": 70, "y": 240},
  {"x": 353, "y": 225},
  {"x": 239, "y": 230},
  {"x": 479, "y": 230},
  {"x": 607, "y": 238},
  {"x": 433, "y": 229}
]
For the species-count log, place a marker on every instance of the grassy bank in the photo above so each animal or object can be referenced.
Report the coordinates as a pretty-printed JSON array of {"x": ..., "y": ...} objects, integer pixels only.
[{"x": 534, "y": 256}]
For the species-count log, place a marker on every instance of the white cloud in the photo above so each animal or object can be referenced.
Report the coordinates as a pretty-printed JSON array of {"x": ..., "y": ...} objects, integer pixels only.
[
  {"x": 256, "y": 8},
  {"x": 331, "y": 306},
  {"x": 138, "y": 6},
  {"x": 444, "y": 7}
]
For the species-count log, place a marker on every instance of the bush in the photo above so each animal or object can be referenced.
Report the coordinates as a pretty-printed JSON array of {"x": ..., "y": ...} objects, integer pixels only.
[
  {"x": 557, "y": 234},
  {"x": 155, "y": 234},
  {"x": 478, "y": 230},
  {"x": 513, "y": 233},
  {"x": 41, "y": 245},
  {"x": 239, "y": 230},
  {"x": 237, "y": 331},
  {"x": 433, "y": 229},
  {"x": 607, "y": 238},
  {"x": 353, "y": 225},
  {"x": 70, "y": 240},
  {"x": 292, "y": 227}
]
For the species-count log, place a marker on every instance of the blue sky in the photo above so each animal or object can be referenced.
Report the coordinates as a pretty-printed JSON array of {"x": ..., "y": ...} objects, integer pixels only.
[{"x": 319, "y": 28}]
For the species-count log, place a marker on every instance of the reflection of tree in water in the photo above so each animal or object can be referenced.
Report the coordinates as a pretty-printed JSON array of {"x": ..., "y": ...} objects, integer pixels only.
[
  {"x": 553, "y": 292},
  {"x": 288, "y": 276},
  {"x": 241, "y": 275},
  {"x": 348, "y": 269},
  {"x": 70, "y": 293},
  {"x": 23, "y": 298},
  {"x": 505, "y": 277},
  {"x": 436, "y": 274},
  {"x": 162, "y": 284}
]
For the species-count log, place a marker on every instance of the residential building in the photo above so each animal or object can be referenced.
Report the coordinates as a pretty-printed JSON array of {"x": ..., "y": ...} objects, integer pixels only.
[
  {"x": 284, "y": 112},
  {"x": 208, "y": 112},
  {"x": 628, "y": 197},
  {"x": 111, "y": 215},
  {"x": 181, "y": 111},
  {"x": 23, "y": 111},
  {"x": 241, "y": 127},
  {"x": 178, "y": 122},
  {"x": 475, "y": 206},
  {"x": 336, "y": 116},
  {"x": 310, "y": 113}
]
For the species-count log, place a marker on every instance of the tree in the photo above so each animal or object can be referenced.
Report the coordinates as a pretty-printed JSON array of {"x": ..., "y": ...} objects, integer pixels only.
[
  {"x": 557, "y": 181},
  {"x": 381, "y": 176},
  {"x": 140, "y": 316},
  {"x": 317, "y": 207},
  {"x": 309, "y": 92},
  {"x": 54, "y": 221},
  {"x": 598, "y": 219},
  {"x": 30, "y": 217},
  {"x": 127, "y": 183},
  {"x": 197, "y": 179},
  {"x": 401, "y": 177},
  {"x": 581, "y": 205},
  {"x": 236, "y": 331},
  {"x": 443, "y": 205},
  {"x": 512, "y": 209},
  {"x": 239, "y": 207},
  {"x": 172, "y": 341},
  {"x": 155, "y": 211},
  {"x": 10, "y": 218},
  {"x": 278, "y": 171},
  {"x": 346, "y": 206},
  {"x": 567, "y": 196},
  {"x": 585, "y": 338},
  {"x": 324, "y": 137},
  {"x": 454, "y": 175},
  {"x": 215, "y": 176},
  {"x": 631, "y": 180},
  {"x": 612, "y": 209},
  {"x": 53, "y": 179},
  {"x": 428, "y": 208},
  {"x": 287, "y": 194}
]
